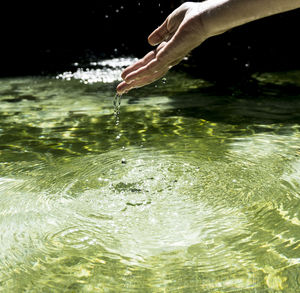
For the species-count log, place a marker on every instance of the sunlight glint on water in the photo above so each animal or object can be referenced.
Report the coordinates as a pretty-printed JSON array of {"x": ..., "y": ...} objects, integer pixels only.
[{"x": 207, "y": 199}]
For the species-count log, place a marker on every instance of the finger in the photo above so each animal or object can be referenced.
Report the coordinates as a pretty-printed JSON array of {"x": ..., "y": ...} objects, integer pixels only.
[
  {"x": 159, "y": 35},
  {"x": 164, "y": 62},
  {"x": 168, "y": 28},
  {"x": 147, "y": 80},
  {"x": 124, "y": 87},
  {"x": 182, "y": 42},
  {"x": 149, "y": 69},
  {"x": 167, "y": 54},
  {"x": 142, "y": 62}
]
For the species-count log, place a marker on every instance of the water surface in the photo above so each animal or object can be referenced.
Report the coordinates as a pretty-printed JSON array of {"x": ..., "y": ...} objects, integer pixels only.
[{"x": 196, "y": 189}]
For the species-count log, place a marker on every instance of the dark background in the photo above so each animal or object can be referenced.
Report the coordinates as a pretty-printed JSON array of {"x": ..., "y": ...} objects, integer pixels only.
[{"x": 48, "y": 37}]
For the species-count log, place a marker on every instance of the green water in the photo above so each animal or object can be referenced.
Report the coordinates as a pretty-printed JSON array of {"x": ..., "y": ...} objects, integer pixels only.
[{"x": 196, "y": 189}]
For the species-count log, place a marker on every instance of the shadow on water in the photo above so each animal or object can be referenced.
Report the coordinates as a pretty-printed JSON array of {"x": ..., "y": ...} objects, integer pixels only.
[
  {"x": 265, "y": 98},
  {"x": 196, "y": 188}
]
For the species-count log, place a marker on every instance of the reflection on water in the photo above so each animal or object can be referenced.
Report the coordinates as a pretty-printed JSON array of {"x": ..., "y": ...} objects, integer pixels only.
[{"x": 200, "y": 193}]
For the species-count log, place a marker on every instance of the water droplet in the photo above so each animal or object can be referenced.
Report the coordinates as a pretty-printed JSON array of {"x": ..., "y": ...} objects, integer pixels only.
[
  {"x": 164, "y": 80},
  {"x": 117, "y": 104},
  {"x": 123, "y": 161},
  {"x": 106, "y": 16}
]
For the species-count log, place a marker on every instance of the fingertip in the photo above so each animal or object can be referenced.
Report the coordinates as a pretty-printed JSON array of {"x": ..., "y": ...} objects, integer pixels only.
[
  {"x": 123, "y": 88},
  {"x": 120, "y": 88},
  {"x": 158, "y": 35},
  {"x": 153, "y": 40},
  {"x": 123, "y": 75}
]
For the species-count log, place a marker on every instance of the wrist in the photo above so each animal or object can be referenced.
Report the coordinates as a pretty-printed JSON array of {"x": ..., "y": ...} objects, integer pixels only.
[{"x": 213, "y": 17}]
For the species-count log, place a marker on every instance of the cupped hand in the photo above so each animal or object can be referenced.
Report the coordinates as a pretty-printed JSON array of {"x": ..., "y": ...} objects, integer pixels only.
[{"x": 181, "y": 32}]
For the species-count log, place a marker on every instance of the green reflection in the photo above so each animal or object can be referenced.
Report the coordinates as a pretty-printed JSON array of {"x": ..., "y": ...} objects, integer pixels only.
[{"x": 195, "y": 189}]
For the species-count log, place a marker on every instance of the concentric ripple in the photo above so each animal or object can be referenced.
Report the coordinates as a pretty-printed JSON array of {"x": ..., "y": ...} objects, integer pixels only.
[{"x": 156, "y": 212}]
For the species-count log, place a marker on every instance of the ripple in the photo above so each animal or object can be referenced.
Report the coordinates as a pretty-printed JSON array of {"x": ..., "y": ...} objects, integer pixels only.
[
  {"x": 179, "y": 202},
  {"x": 156, "y": 211}
]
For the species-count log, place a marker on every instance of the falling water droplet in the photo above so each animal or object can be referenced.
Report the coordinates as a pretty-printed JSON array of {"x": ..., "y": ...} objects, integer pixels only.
[
  {"x": 164, "y": 80},
  {"x": 117, "y": 104}
]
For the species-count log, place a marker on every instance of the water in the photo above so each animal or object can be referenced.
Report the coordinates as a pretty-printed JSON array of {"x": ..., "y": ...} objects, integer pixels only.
[
  {"x": 117, "y": 105},
  {"x": 200, "y": 193}
]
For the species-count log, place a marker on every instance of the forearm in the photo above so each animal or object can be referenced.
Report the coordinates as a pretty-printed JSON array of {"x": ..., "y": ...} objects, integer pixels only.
[{"x": 222, "y": 15}]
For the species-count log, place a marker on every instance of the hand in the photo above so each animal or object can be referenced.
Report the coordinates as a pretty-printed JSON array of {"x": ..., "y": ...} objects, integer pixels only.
[
  {"x": 188, "y": 26},
  {"x": 181, "y": 32}
]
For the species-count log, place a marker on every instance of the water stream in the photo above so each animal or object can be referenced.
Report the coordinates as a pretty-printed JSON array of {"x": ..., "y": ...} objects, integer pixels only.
[
  {"x": 200, "y": 192},
  {"x": 117, "y": 105}
]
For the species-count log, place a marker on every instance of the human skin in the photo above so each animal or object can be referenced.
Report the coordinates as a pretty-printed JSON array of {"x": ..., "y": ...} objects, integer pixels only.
[{"x": 190, "y": 25}]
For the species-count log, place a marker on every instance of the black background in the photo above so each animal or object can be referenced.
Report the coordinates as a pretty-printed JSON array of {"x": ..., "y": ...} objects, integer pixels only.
[{"x": 48, "y": 37}]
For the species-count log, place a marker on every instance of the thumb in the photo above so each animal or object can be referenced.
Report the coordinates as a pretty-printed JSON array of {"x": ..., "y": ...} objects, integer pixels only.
[{"x": 159, "y": 35}]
